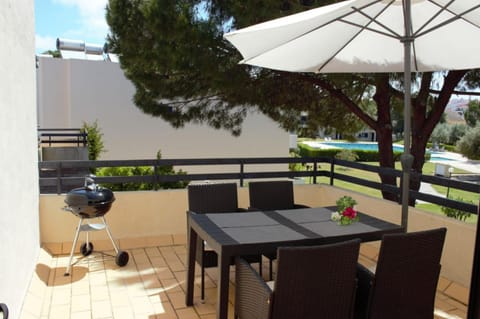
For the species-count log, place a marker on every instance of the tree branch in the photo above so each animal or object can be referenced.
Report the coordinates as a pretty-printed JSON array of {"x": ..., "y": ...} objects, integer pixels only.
[{"x": 337, "y": 94}]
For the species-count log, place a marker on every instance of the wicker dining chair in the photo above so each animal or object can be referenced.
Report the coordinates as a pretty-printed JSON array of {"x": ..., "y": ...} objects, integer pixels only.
[
  {"x": 272, "y": 195},
  {"x": 213, "y": 198},
  {"x": 312, "y": 282},
  {"x": 405, "y": 281}
]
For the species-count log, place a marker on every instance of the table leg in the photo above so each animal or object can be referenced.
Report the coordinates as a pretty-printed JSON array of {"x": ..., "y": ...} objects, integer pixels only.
[
  {"x": 192, "y": 245},
  {"x": 223, "y": 281}
]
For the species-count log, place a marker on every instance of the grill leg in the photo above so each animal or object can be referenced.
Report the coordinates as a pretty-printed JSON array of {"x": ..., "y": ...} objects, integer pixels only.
[
  {"x": 110, "y": 235},
  {"x": 72, "y": 251}
]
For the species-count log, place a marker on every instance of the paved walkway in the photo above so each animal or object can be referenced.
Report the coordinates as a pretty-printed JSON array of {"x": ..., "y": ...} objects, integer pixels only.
[
  {"x": 454, "y": 160},
  {"x": 457, "y": 161},
  {"x": 428, "y": 189}
]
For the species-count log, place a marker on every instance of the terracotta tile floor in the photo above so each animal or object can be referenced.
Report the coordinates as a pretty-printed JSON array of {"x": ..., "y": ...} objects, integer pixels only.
[{"x": 152, "y": 286}]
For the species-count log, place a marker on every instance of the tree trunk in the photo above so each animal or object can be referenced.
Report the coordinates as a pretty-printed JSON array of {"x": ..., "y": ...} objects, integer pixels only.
[
  {"x": 426, "y": 117},
  {"x": 384, "y": 131}
]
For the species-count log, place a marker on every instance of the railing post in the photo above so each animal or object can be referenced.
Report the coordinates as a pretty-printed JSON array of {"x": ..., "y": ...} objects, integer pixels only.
[
  {"x": 59, "y": 177},
  {"x": 315, "y": 170},
  {"x": 332, "y": 170},
  {"x": 241, "y": 173},
  {"x": 156, "y": 181}
]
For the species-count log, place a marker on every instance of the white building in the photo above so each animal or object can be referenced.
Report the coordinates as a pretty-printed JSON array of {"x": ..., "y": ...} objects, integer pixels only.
[
  {"x": 19, "y": 200},
  {"x": 73, "y": 91}
]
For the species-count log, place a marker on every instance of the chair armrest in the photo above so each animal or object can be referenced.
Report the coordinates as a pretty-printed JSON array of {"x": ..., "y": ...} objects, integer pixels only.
[
  {"x": 365, "y": 280},
  {"x": 252, "y": 294}
]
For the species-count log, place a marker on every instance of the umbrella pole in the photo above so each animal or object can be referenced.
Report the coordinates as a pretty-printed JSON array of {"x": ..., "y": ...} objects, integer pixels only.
[{"x": 406, "y": 158}]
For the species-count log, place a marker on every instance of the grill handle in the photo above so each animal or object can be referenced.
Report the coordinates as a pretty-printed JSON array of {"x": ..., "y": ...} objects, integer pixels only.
[{"x": 90, "y": 182}]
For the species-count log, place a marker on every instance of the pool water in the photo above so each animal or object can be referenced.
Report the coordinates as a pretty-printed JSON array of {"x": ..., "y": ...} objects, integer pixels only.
[
  {"x": 371, "y": 146},
  {"x": 440, "y": 159},
  {"x": 364, "y": 146}
]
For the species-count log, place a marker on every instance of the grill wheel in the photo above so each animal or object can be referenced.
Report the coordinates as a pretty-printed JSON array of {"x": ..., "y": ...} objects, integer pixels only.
[
  {"x": 86, "y": 250},
  {"x": 122, "y": 258}
]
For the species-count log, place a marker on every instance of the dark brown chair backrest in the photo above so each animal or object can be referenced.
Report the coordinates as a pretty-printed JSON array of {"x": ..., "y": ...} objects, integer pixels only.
[
  {"x": 270, "y": 195},
  {"x": 213, "y": 198},
  {"x": 316, "y": 282},
  {"x": 407, "y": 274}
]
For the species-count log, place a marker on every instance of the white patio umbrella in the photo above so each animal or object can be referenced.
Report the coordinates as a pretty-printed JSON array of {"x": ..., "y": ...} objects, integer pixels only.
[
  {"x": 370, "y": 36},
  {"x": 363, "y": 36}
]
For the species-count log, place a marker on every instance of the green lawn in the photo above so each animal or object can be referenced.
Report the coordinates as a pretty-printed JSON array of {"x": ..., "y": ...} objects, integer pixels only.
[{"x": 428, "y": 169}]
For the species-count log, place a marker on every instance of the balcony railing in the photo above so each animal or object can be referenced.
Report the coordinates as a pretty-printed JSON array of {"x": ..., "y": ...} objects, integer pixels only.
[
  {"x": 60, "y": 178},
  {"x": 74, "y": 136}
]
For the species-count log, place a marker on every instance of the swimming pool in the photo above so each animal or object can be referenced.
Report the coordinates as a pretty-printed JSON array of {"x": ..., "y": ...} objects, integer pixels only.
[
  {"x": 373, "y": 146},
  {"x": 364, "y": 146}
]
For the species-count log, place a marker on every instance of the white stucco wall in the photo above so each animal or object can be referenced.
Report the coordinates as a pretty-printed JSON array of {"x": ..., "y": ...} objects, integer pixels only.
[
  {"x": 75, "y": 91},
  {"x": 19, "y": 234}
]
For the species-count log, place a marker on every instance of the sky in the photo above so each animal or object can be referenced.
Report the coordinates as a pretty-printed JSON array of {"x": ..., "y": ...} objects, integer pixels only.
[{"x": 82, "y": 20}]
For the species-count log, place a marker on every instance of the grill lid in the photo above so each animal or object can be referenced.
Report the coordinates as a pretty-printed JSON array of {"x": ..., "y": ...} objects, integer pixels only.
[
  {"x": 89, "y": 201},
  {"x": 84, "y": 196}
]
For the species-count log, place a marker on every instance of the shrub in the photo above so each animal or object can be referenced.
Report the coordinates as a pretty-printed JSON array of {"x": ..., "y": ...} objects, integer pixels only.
[
  {"x": 456, "y": 213},
  {"x": 363, "y": 155},
  {"x": 141, "y": 171},
  {"x": 293, "y": 167},
  {"x": 347, "y": 155},
  {"x": 94, "y": 140}
]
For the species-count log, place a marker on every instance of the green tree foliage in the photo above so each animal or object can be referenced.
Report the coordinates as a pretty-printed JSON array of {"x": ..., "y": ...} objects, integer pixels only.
[
  {"x": 441, "y": 134},
  {"x": 53, "y": 53},
  {"x": 184, "y": 71},
  {"x": 469, "y": 144},
  {"x": 94, "y": 140},
  {"x": 445, "y": 133},
  {"x": 472, "y": 114},
  {"x": 457, "y": 131}
]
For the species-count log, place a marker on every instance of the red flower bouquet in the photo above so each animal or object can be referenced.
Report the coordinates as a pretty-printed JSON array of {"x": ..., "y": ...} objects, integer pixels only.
[{"x": 345, "y": 214}]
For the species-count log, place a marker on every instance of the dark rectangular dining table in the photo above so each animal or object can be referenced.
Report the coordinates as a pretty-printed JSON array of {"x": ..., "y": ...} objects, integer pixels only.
[{"x": 262, "y": 232}]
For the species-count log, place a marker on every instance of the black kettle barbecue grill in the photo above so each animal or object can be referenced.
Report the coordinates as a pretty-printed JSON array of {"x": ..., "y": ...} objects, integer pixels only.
[{"x": 91, "y": 201}]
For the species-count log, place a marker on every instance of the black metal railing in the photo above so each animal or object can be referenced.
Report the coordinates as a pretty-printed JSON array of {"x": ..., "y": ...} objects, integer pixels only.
[
  {"x": 49, "y": 136},
  {"x": 60, "y": 178}
]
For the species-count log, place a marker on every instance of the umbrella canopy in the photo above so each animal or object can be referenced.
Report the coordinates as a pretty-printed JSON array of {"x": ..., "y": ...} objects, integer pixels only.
[
  {"x": 366, "y": 36},
  {"x": 370, "y": 36}
]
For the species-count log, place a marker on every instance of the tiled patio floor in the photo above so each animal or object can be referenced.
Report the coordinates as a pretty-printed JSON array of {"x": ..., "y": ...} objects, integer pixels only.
[{"x": 152, "y": 286}]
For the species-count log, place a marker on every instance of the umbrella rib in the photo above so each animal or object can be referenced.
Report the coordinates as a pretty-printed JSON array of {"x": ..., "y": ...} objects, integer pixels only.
[
  {"x": 341, "y": 19},
  {"x": 391, "y": 33},
  {"x": 456, "y": 16},
  {"x": 442, "y": 9},
  {"x": 360, "y": 29}
]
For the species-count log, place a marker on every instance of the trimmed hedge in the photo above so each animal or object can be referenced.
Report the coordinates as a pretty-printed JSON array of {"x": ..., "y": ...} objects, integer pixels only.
[{"x": 363, "y": 155}]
